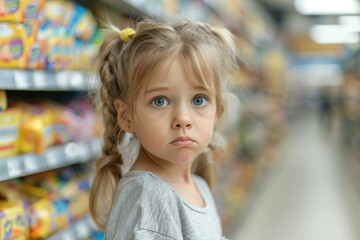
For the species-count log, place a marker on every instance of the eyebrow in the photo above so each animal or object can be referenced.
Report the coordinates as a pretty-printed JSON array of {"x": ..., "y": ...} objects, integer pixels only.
[
  {"x": 156, "y": 89},
  {"x": 159, "y": 89}
]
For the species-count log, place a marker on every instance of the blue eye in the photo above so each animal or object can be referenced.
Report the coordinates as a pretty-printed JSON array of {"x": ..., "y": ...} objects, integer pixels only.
[
  {"x": 159, "y": 102},
  {"x": 200, "y": 101}
]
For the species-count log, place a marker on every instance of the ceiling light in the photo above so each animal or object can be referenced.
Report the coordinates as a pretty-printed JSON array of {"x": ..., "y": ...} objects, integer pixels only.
[
  {"x": 327, "y": 7},
  {"x": 333, "y": 34}
]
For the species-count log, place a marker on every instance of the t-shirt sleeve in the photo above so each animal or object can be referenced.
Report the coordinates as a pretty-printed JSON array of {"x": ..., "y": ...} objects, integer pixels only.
[
  {"x": 143, "y": 210},
  {"x": 126, "y": 212}
]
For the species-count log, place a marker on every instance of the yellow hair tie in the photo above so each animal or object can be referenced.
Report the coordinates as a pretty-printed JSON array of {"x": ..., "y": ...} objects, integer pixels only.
[{"x": 127, "y": 34}]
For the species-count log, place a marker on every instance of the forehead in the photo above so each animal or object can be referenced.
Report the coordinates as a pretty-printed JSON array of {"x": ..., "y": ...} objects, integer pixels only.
[{"x": 176, "y": 72}]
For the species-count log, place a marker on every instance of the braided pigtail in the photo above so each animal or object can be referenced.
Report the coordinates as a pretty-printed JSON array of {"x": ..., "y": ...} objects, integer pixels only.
[{"x": 108, "y": 167}]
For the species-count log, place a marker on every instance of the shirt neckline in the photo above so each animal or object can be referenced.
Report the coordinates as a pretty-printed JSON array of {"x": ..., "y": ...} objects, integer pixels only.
[{"x": 191, "y": 206}]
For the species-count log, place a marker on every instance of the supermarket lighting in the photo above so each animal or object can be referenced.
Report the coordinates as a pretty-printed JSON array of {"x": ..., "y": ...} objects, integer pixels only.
[
  {"x": 333, "y": 34},
  {"x": 327, "y": 7},
  {"x": 351, "y": 23}
]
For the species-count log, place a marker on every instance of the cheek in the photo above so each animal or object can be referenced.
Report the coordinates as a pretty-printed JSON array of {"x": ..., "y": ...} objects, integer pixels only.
[
  {"x": 150, "y": 133},
  {"x": 206, "y": 130}
]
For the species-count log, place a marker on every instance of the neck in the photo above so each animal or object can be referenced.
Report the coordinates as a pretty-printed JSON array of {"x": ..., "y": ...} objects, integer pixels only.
[{"x": 169, "y": 172}]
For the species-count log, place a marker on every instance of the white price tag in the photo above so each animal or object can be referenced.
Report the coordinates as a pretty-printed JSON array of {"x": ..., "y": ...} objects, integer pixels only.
[
  {"x": 52, "y": 159},
  {"x": 21, "y": 80},
  {"x": 14, "y": 168},
  {"x": 62, "y": 79},
  {"x": 72, "y": 151},
  {"x": 96, "y": 146},
  {"x": 77, "y": 80},
  {"x": 31, "y": 163},
  {"x": 68, "y": 236},
  {"x": 82, "y": 230},
  {"x": 39, "y": 79}
]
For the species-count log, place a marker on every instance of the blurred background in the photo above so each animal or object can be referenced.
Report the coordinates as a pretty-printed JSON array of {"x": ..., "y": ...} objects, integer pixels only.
[{"x": 293, "y": 171}]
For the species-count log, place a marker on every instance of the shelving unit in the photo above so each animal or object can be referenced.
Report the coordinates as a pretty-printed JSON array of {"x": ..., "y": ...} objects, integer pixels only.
[
  {"x": 15, "y": 79},
  {"x": 58, "y": 156},
  {"x": 65, "y": 92},
  {"x": 54, "y": 157}
]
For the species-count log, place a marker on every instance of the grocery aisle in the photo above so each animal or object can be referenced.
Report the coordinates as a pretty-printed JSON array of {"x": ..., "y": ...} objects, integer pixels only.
[{"x": 308, "y": 196}]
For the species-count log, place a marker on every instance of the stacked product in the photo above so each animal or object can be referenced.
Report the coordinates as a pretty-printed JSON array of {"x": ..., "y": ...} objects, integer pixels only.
[
  {"x": 51, "y": 35},
  {"x": 32, "y": 127},
  {"x": 39, "y": 205}
]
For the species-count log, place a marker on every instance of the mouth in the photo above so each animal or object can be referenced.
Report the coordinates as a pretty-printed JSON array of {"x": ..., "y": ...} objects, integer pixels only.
[{"x": 182, "y": 142}]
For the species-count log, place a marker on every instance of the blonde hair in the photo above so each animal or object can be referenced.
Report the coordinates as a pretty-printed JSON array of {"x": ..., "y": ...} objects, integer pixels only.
[{"x": 124, "y": 69}]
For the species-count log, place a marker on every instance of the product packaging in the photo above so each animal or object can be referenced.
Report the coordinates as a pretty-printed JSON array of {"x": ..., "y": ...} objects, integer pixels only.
[{"x": 9, "y": 132}]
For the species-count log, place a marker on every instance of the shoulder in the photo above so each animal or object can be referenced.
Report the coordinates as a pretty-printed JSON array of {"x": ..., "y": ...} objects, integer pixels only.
[
  {"x": 147, "y": 202},
  {"x": 201, "y": 183},
  {"x": 146, "y": 186},
  {"x": 199, "y": 180},
  {"x": 204, "y": 189},
  {"x": 145, "y": 191}
]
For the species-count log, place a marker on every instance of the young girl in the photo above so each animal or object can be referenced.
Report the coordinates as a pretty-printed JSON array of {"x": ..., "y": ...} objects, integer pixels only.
[{"x": 167, "y": 87}]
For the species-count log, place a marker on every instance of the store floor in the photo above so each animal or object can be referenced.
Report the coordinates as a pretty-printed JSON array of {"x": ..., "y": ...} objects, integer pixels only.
[{"x": 309, "y": 195}]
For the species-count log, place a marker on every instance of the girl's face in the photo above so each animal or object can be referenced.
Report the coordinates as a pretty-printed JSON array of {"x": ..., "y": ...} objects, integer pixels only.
[{"x": 175, "y": 117}]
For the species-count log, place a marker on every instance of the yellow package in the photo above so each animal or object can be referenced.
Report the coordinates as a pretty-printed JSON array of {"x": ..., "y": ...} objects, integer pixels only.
[
  {"x": 9, "y": 132},
  {"x": 10, "y": 192},
  {"x": 41, "y": 214},
  {"x": 21, "y": 10},
  {"x": 12, "y": 221},
  {"x": 63, "y": 123},
  {"x": 14, "y": 45},
  {"x": 48, "y": 212},
  {"x": 35, "y": 55},
  {"x": 36, "y": 129},
  {"x": 41, "y": 211},
  {"x": 3, "y": 100}
]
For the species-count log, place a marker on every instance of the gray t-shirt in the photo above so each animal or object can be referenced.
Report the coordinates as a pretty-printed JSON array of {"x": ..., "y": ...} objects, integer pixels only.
[{"x": 146, "y": 207}]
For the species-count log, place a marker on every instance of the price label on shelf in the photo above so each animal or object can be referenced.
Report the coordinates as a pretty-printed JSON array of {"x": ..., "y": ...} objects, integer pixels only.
[
  {"x": 40, "y": 80},
  {"x": 95, "y": 147},
  {"x": 52, "y": 159},
  {"x": 14, "y": 167},
  {"x": 82, "y": 230},
  {"x": 62, "y": 80},
  {"x": 68, "y": 236},
  {"x": 72, "y": 151},
  {"x": 31, "y": 163},
  {"x": 77, "y": 80},
  {"x": 21, "y": 80}
]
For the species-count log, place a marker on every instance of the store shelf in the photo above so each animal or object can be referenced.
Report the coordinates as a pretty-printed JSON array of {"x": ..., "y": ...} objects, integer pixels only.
[
  {"x": 81, "y": 229},
  {"x": 54, "y": 157},
  {"x": 30, "y": 80}
]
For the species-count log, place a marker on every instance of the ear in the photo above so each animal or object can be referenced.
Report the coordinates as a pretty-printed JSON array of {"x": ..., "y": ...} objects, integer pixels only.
[{"x": 122, "y": 115}]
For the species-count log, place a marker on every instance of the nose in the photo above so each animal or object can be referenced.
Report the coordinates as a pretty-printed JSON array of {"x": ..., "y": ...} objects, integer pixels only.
[{"x": 181, "y": 118}]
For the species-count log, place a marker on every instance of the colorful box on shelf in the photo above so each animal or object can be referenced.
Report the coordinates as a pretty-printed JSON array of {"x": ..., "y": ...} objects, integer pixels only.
[
  {"x": 36, "y": 129},
  {"x": 19, "y": 47},
  {"x": 13, "y": 222},
  {"x": 3, "y": 100},
  {"x": 9, "y": 131},
  {"x": 21, "y": 11}
]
